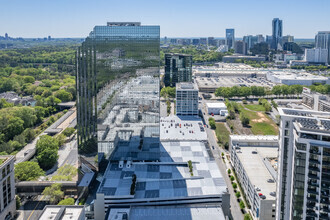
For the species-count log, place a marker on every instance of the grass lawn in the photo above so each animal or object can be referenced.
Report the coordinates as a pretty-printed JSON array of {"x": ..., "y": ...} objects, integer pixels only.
[
  {"x": 255, "y": 107},
  {"x": 222, "y": 132},
  {"x": 260, "y": 123}
]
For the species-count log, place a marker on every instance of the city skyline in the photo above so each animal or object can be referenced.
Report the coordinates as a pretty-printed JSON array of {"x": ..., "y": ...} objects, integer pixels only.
[{"x": 68, "y": 18}]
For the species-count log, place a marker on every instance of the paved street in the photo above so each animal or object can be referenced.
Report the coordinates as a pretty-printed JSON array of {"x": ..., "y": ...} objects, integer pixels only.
[{"x": 235, "y": 209}]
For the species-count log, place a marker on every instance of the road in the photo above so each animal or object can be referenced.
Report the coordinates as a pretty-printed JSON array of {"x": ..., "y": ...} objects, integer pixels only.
[
  {"x": 235, "y": 209},
  {"x": 31, "y": 210}
]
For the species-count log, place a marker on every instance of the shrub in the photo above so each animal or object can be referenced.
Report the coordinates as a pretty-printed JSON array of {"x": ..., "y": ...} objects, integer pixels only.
[
  {"x": 68, "y": 201},
  {"x": 232, "y": 179},
  {"x": 244, "y": 119},
  {"x": 238, "y": 194},
  {"x": 241, "y": 204},
  {"x": 235, "y": 185},
  {"x": 229, "y": 171}
]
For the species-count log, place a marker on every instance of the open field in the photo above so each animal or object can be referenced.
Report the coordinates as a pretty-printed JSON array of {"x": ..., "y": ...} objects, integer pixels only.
[
  {"x": 255, "y": 107},
  {"x": 222, "y": 133},
  {"x": 260, "y": 123}
]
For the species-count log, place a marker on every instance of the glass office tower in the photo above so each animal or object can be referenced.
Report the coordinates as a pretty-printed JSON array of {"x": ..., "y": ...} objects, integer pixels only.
[
  {"x": 230, "y": 38},
  {"x": 277, "y": 30},
  {"x": 178, "y": 68},
  {"x": 118, "y": 94}
]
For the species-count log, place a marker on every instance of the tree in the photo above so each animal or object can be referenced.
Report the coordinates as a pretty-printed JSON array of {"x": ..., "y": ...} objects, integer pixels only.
[
  {"x": 54, "y": 193},
  {"x": 68, "y": 201},
  {"x": 18, "y": 202},
  {"x": 235, "y": 185},
  {"x": 60, "y": 139},
  {"x": 229, "y": 171},
  {"x": 28, "y": 171},
  {"x": 68, "y": 131},
  {"x": 238, "y": 194},
  {"x": 63, "y": 95},
  {"x": 46, "y": 141},
  {"x": 241, "y": 204},
  {"x": 47, "y": 158},
  {"x": 244, "y": 119},
  {"x": 15, "y": 127},
  {"x": 247, "y": 216},
  {"x": 212, "y": 123}
]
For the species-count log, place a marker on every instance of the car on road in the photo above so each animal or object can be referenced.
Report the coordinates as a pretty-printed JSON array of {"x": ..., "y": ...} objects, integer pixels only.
[{"x": 213, "y": 147}]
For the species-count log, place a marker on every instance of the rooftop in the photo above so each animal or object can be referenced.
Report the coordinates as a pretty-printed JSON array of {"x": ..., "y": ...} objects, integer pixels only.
[
  {"x": 194, "y": 212},
  {"x": 256, "y": 158},
  {"x": 57, "y": 212},
  {"x": 186, "y": 86},
  {"x": 169, "y": 178},
  {"x": 216, "y": 105},
  {"x": 182, "y": 128}
]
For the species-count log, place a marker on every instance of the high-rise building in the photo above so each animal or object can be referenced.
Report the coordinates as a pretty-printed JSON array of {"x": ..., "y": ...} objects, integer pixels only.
[
  {"x": 241, "y": 47},
  {"x": 251, "y": 41},
  {"x": 287, "y": 38},
  {"x": 186, "y": 99},
  {"x": 211, "y": 41},
  {"x": 260, "y": 38},
  {"x": 277, "y": 30},
  {"x": 117, "y": 94},
  {"x": 178, "y": 68},
  {"x": 230, "y": 38},
  {"x": 316, "y": 55},
  {"x": 7, "y": 192},
  {"x": 203, "y": 41},
  {"x": 322, "y": 40},
  {"x": 195, "y": 42},
  {"x": 303, "y": 177}
]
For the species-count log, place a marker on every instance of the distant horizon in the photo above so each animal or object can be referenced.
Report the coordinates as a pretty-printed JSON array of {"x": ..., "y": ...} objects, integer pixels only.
[
  {"x": 221, "y": 38},
  {"x": 76, "y": 18}
]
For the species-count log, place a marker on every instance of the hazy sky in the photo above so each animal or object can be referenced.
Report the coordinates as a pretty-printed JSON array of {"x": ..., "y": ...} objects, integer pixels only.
[{"x": 177, "y": 18}]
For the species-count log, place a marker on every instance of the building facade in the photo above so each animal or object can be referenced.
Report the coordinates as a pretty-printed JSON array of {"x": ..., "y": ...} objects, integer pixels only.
[
  {"x": 253, "y": 159},
  {"x": 316, "y": 55},
  {"x": 7, "y": 189},
  {"x": 117, "y": 92},
  {"x": 178, "y": 68},
  {"x": 241, "y": 47},
  {"x": 315, "y": 100},
  {"x": 277, "y": 30},
  {"x": 230, "y": 38},
  {"x": 322, "y": 40},
  {"x": 186, "y": 99},
  {"x": 303, "y": 180}
]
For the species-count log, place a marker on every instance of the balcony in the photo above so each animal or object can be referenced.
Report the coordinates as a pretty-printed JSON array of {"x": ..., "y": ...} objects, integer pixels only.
[
  {"x": 313, "y": 191},
  {"x": 311, "y": 213},
  {"x": 325, "y": 201},
  {"x": 325, "y": 178},
  {"x": 313, "y": 176},
  {"x": 313, "y": 168},
  {"x": 312, "y": 199},
  {"x": 314, "y": 161},
  {"x": 313, "y": 183},
  {"x": 326, "y": 171},
  {"x": 315, "y": 152}
]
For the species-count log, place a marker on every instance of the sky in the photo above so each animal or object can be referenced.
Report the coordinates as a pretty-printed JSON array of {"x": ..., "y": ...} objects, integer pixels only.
[{"x": 177, "y": 18}]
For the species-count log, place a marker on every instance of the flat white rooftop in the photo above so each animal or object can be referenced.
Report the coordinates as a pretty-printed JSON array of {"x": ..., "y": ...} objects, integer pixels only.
[
  {"x": 216, "y": 105},
  {"x": 255, "y": 168},
  {"x": 62, "y": 212},
  {"x": 182, "y": 128}
]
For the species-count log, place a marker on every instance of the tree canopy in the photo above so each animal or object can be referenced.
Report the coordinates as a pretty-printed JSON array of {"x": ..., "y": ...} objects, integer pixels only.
[{"x": 27, "y": 171}]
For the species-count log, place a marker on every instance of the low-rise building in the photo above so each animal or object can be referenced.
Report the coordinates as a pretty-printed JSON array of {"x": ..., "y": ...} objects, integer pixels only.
[
  {"x": 186, "y": 99},
  {"x": 295, "y": 78},
  {"x": 63, "y": 212},
  {"x": 14, "y": 98},
  {"x": 254, "y": 159},
  {"x": 234, "y": 58},
  {"x": 7, "y": 189},
  {"x": 217, "y": 108},
  {"x": 315, "y": 100}
]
